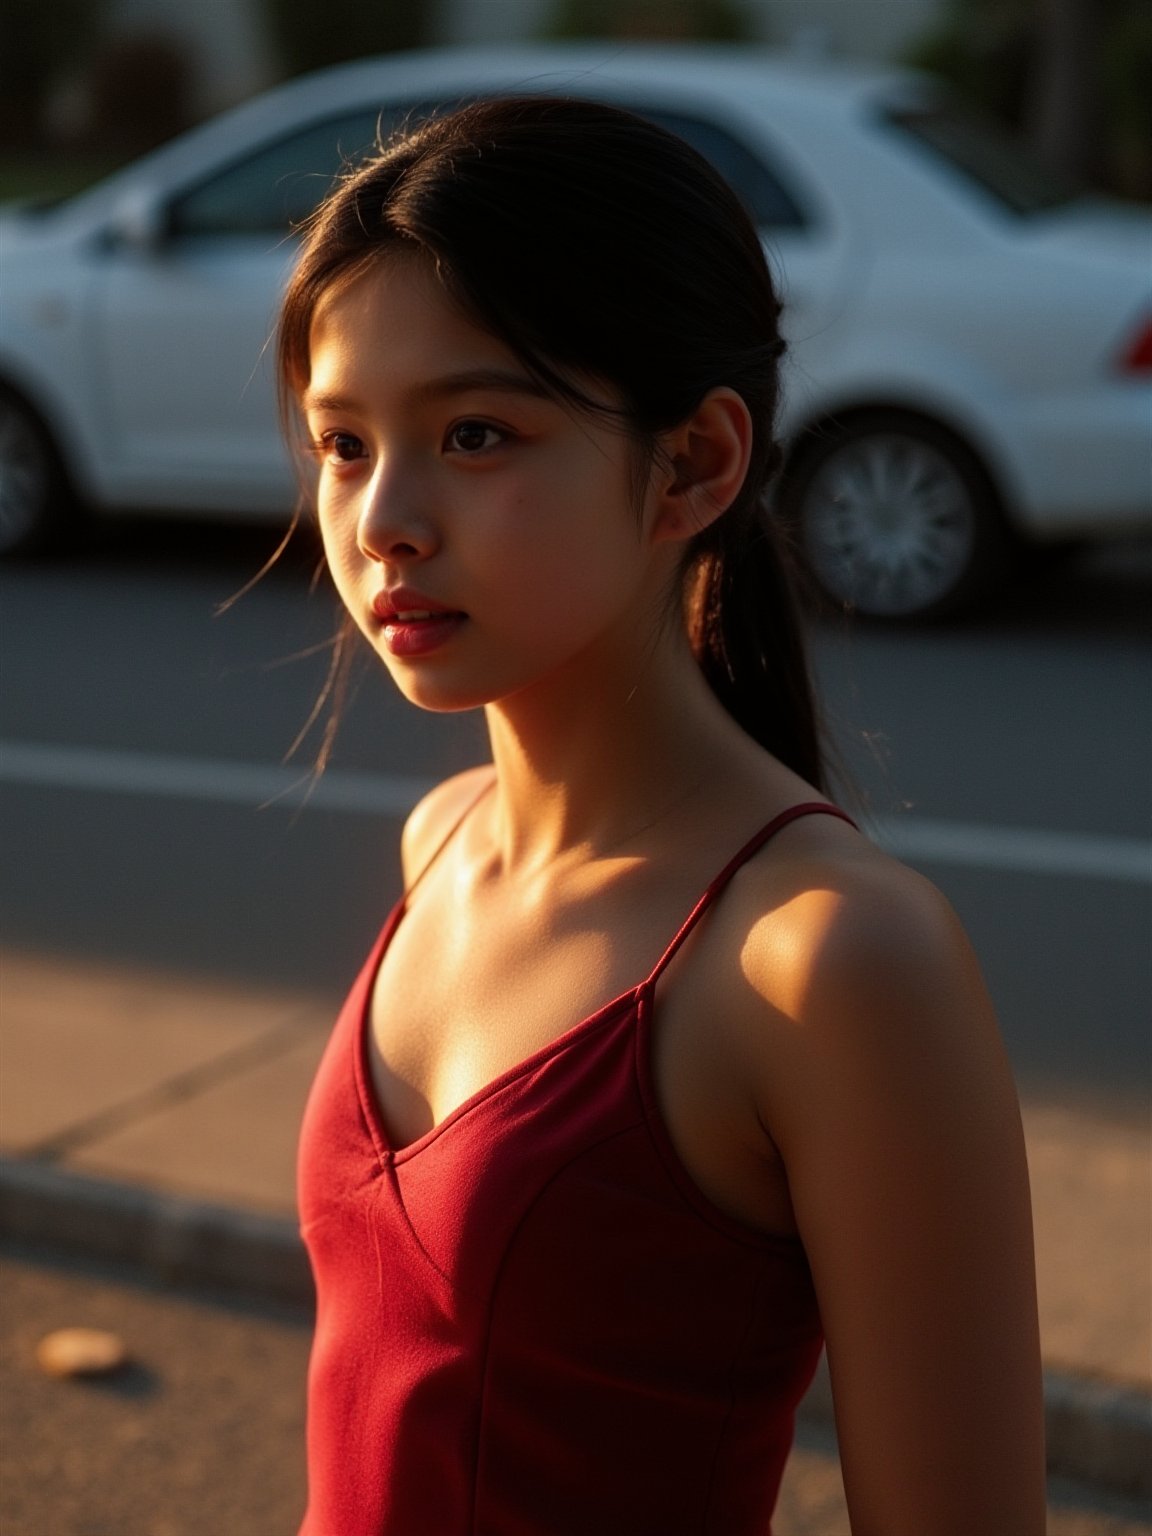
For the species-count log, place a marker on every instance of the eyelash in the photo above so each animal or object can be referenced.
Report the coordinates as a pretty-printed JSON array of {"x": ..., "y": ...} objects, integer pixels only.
[
  {"x": 484, "y": 426},
  {"x": 323, "y": 447}
]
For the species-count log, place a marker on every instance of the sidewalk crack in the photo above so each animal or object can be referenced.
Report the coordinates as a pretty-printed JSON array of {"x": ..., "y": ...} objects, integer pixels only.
[{"x": 276, "y": 1041}]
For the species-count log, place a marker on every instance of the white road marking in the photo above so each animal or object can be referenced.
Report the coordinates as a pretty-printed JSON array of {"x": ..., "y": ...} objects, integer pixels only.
[
  {"x": 206, "y": 778},
  {"x": 1022, "y": 849},
  {"x": 1101, "y": 856}
]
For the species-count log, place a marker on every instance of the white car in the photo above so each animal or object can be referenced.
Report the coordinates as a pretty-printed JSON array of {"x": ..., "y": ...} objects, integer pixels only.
[{"x": 970, "y": 358}]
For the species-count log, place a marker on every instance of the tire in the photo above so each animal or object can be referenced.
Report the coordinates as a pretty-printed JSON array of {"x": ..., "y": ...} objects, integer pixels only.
[
  {"x": 35, "y": 502},
  {"x": 895, "y": 518}
]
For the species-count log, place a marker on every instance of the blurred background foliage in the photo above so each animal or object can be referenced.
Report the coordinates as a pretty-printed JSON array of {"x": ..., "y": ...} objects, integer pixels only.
[
  {"x": 77, "y": 100},
  {"x": 39, "y": 42},
  {"x": 82, "y": 90},
  {"x": 309, "y": 36},
  {"x": 706, "y": 20},
  {"x": 1073, "y": 76}
]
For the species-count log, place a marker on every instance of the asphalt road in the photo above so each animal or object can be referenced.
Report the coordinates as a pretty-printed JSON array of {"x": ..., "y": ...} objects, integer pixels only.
[
  {"x": 141, "y": 734},
  {"x": 203, "y": 1434}
]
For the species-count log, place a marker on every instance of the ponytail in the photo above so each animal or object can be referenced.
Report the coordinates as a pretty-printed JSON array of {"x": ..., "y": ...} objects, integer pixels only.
[{"x": 747, "y": 634}]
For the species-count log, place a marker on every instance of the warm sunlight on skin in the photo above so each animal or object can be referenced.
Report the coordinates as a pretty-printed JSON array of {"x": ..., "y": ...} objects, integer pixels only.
[{"x": 446, "y": 470}]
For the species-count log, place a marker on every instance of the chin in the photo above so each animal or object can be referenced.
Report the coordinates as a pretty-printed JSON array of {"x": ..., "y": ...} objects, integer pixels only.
[{"x": 437, "y": 696}]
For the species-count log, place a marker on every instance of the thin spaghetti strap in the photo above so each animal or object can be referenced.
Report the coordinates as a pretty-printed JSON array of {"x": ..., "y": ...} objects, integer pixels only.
[
  {"x": 450, "y": 834},
  {"x": 751, "y": 847}
]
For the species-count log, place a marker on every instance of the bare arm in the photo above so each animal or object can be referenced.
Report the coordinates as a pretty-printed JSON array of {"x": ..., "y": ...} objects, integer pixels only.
[{"x": 892, "y": 1105}]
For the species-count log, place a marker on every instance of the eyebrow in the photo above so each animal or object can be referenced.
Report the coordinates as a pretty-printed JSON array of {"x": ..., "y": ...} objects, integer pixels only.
[{"x": 469, "y": 381}]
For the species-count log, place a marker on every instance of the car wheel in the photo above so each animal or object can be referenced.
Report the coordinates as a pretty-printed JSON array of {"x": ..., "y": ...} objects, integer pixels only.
[
  {"x": 895, "y": 518},
  {"x": 34, "y": 499}
]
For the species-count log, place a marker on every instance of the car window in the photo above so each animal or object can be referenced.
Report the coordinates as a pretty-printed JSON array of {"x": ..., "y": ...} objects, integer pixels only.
[
  {"x": 763, "y": 194},
  {"x": 276, "y": 188},
  {"x": 985, "y": 154}
]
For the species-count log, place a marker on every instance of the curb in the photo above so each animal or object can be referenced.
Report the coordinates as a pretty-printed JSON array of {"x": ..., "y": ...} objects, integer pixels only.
[
  {"x": 1099, "y": 1432},
  {"x": 180, "y": 1241}
]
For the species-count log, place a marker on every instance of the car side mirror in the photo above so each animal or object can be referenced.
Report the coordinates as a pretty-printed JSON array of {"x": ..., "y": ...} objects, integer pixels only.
[{"x": 141, "y": 221}]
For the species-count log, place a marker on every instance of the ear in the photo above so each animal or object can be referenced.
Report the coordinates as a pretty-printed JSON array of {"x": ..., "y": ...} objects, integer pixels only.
[{"x": 705, "y": 461}]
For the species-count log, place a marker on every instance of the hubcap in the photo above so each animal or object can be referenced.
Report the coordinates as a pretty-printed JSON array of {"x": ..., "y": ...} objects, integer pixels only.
[{"x": 889, "y": 525}]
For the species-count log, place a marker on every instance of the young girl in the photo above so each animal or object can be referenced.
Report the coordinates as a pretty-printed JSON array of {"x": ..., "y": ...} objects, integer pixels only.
[{"x": 660, "y": 1073}]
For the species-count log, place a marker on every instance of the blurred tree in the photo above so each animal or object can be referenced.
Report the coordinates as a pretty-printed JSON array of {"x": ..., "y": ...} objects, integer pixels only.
[
  {"x": 981, "y": 47},
  {"x": 1126, "y": 86},
  {"x": 1073, "y": 75},
  {"x": 1063, "y": 98},
  {"x": 38, "y": 42},
  {"x": 710, "y": 20},
  {"x": 139, "y": 92},
  {"x": 333, "y": 31}
]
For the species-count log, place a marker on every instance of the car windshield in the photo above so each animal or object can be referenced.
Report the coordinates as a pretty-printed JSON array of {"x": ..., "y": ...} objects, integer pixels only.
[{"x": 986, "y": 154}]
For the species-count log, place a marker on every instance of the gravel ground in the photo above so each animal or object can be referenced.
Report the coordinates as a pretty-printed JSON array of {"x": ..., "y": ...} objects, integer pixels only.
[{"x": 203, "y": 1434}]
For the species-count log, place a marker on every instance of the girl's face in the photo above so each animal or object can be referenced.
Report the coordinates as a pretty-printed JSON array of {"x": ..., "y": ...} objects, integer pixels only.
[{"x": 483, "y": 536}]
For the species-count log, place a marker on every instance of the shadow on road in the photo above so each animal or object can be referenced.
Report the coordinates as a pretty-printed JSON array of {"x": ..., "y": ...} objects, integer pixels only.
[{"x": 1106, "y": 590}]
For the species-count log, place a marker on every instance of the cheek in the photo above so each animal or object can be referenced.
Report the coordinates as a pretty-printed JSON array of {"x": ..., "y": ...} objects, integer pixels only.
[
  {"x": 563, "y": 590},
  {"x": 575, "y": 535},
  {"x": 345, "y": 563}
]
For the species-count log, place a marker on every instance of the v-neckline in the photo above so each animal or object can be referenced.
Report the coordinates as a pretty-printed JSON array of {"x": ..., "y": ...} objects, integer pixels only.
[
  {"x": 373, "y": 1112},
  {"x": 386, "y": 1151}
]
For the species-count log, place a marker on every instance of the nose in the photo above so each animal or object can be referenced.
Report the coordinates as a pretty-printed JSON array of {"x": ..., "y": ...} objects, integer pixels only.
[{"x": 394, "y": 522}]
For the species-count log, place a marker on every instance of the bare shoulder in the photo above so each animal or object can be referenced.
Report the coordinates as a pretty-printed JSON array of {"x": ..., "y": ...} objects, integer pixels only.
[
  {"x": 433, "y": 817},
  {"x": 856, "y": 970},
  {"x": 830, "y": 916}
]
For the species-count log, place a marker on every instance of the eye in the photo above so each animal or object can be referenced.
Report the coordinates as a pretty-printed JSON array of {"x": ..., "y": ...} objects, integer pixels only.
[
  {"x": 338, "y": 447},
  {"x": 473, "y": 437}
]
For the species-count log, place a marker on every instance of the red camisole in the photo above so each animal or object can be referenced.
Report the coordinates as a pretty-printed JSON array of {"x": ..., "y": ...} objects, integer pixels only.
[{"x": 530, "y": 1321}]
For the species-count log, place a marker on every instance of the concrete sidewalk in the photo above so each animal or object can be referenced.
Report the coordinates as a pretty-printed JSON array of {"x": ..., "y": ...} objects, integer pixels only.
[{"x": 153, "y": 1118}]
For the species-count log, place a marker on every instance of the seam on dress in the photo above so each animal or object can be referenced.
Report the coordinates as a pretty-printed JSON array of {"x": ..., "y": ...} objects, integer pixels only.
[
  {"x": 482, "y": 1404},
  {"x": 391, "y": 1180},
  {"x": 722, "y": 1435}
]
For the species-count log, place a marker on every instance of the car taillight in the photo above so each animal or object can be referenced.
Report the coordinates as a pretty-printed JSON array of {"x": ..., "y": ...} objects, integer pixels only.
[{"x": 1137, "y": 355}]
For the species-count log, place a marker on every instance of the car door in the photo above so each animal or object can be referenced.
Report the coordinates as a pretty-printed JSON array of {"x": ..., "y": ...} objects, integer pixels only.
[{"x": 182, "y": 329}]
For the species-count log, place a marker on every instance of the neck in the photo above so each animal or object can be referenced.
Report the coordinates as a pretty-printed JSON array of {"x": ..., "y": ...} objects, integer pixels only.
[{"x": 583, "y": 767}]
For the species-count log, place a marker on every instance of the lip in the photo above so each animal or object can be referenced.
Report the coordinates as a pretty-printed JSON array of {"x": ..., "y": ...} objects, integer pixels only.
[
  {"x": 387, "y": 606},
  {"x": 434, "y": 627}
]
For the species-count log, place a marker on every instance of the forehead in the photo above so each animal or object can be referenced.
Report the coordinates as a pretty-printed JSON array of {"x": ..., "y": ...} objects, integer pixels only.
[
  {"x": 395, "y": 321},
  {"x": 394, "y": 334}
]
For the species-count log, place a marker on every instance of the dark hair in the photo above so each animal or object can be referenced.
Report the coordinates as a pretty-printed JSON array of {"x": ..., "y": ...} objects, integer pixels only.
[{"x": 593, "y": 243}]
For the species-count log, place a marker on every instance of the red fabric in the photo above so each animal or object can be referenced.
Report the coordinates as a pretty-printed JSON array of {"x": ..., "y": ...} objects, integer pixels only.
[{"x": 530, "y": 1322}]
